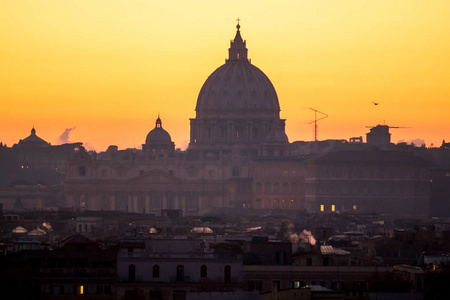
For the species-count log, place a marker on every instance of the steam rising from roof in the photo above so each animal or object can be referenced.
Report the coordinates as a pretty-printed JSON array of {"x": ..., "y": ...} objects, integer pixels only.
[
  {"x": 65, "y": 136},
  {"x": 305, "y": 236}
]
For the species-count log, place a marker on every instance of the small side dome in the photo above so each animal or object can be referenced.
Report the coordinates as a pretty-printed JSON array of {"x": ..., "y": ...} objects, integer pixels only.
[
  {"x": 158, "y": 141},
  {"x": 33, "y": 140},
  {"x": 158, "y": 134}
]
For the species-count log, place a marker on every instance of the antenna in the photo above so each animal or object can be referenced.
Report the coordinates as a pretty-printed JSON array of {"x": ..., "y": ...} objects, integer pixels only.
[
  {"x": 315, "y": 121},
  {"x": 386, "y": 126}
]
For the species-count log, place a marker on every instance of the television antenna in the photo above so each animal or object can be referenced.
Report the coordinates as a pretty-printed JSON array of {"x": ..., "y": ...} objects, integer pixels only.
[{"x": 324, "y": 115}]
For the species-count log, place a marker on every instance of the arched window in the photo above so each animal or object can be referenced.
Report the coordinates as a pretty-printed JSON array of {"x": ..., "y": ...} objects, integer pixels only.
[
  {"x": 281, "y": 258},
  {"x": 180, "y": 273},
  {"x": 155, "y": 271},
  {"x": 267, "y": 188},
  {"x": 203, "y": 271},
  {"x": 227, "y": 273},
  {"x": 132, "y": 273},
  {"x": 276, "y": 188},
  {"x": 294, "y": 187},
  {"x": 258, "y": 187}
]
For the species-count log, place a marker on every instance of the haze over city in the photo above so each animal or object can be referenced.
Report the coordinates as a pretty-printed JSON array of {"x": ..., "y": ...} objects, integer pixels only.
[{"x": 104, "y": 70}]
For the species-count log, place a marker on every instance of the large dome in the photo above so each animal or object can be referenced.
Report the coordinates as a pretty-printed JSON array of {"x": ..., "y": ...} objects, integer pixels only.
[
  {"x": 237, "y": 107},
  {"x": 237, "y": 86}
]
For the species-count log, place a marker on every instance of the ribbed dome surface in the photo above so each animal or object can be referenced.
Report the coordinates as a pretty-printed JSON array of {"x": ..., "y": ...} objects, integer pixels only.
[
  {"x": 157, "y": 135},
  {"x": 237, "y": 86}
]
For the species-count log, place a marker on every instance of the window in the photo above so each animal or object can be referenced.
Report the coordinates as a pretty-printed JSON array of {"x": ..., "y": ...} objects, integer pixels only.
[
  {"x": 203, "y": 271},
  {"x": 255, "y": 134},
  {"x": 255, "y": 285},
  {"x": 155, "y": 294},
  {"x": 267, "y": 188},
  {"x": 281, "y": 258},
  {"x": 309, "y": 261},
  {"x": 223, "y": 132},
  {"x": 227, "y": 273},
  {"x": 322, "y": 207},
  {"x": 81, "y": 171},
  {"x": 258, "y": 187},
  {"x": 103, "y": 290},
  {"x": 156, "y": 271},
  {"x": 333, "y": 207},
  {"x": 180, "y": 273},
  {"x": 78, "y": 290},
  {"x": 132, "y": 273},
  {"x": 277, "y": 284},
  {"x": 276, "y": 188},
  {"x": 354, "y": 207},
  {"x": 235, "y": 171}
]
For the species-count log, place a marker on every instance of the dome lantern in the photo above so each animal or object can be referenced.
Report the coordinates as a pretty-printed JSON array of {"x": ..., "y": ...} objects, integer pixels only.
[{"x": 238, "y": 50}]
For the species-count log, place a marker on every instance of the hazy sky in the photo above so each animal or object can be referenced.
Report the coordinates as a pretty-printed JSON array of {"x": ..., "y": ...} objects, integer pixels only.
[{"x": 105, "y": 69}]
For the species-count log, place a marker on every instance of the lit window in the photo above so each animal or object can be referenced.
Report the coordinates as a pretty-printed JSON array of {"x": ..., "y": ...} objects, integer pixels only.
[
  {"x": 322, "y": 207},
  {"x": 354, "y": 207},
  {"x": 80, "y": 290},
  {"x": 333, "y": 207}
]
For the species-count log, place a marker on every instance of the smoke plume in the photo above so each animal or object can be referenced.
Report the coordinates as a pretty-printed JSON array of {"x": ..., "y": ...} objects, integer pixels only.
[
  {"x": 65, "y": 136},
  {"x": 305, "y": 236},
  {"x": 417, "y": 142}
]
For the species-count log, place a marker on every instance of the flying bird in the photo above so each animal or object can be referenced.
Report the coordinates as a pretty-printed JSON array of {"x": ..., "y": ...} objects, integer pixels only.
[{"x": 375, "y": 103}]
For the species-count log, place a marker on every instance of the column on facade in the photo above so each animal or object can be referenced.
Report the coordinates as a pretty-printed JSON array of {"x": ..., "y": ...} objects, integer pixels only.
[
  {"x": 164, "y": 201},
  {"x": 201, "y": 199},
  {"x": 147, "y": 204},
  {"x": 129, "y": 203},
  {"x": 135, "y": 203},
  {"x": 183, "y": 204},
  {"x": 112, "y": 202},
  {"x": 213, "y": 132},
  {"x": 249, "y": 132}
]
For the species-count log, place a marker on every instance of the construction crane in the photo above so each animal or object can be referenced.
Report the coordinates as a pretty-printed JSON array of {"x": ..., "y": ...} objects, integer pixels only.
[{"x": 324, "y": 115}]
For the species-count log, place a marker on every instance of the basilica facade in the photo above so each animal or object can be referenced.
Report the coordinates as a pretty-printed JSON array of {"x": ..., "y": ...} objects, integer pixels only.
[{"x": 238, "y": 156}]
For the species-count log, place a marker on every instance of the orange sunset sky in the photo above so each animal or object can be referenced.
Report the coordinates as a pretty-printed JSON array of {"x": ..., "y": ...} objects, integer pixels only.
[{"x": 108, "y": 67}]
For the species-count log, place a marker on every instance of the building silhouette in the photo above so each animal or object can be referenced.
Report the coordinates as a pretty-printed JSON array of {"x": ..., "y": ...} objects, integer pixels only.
[{"x": 239, "y": 157}]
